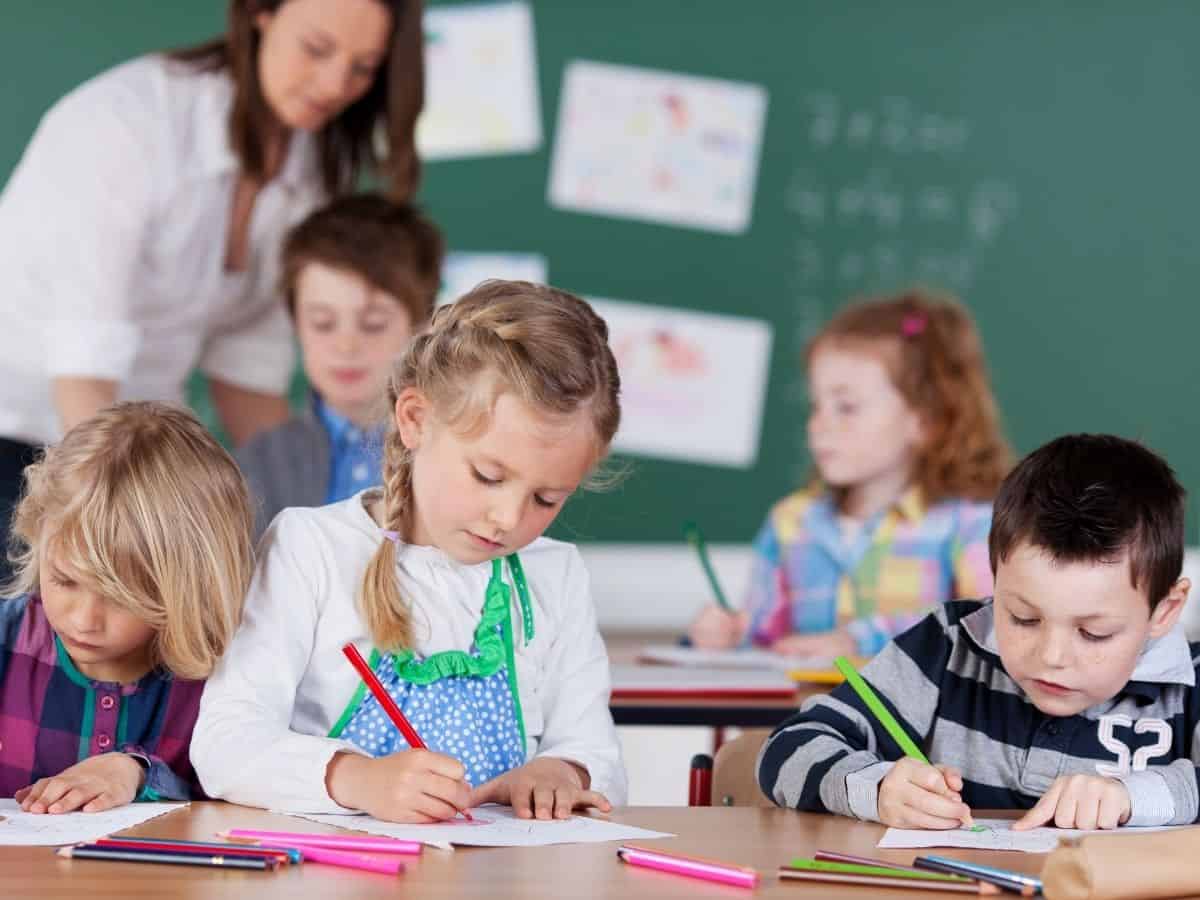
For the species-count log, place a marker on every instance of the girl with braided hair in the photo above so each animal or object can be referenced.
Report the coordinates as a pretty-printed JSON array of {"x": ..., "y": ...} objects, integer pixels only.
[{"x": 482, "y": 630}]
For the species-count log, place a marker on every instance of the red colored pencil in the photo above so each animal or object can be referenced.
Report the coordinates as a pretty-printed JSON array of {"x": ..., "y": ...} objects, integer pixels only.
[{"x": 389, "y": 705}]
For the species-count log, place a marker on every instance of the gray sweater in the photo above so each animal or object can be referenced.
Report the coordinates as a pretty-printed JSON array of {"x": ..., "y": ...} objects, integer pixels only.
[{"x": 286, "y": 466}]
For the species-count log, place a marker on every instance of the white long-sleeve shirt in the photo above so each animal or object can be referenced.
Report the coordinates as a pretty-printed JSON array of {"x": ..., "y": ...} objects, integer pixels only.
[
  {"x": 113, "y": 234},
  {"x": 261, "y": 738}
]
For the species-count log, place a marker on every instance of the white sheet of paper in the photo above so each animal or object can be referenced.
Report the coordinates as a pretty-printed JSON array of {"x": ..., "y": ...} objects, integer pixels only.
[
  {"x": 693, "y": 384},
  {"x": 658, "y": 146},
  {"x": 750, "y": 658},
  {"x": 495, "y": 826},
  {"x": 462, "y": 270},
  {"x": 481, "y": 87},
  {"x": 22, "y": 829},
  {"x": 997, "y": 836}
]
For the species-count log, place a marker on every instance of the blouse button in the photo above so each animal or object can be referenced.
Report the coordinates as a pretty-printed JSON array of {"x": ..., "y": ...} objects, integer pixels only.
[
  {"x": 103, "y": 741},
  {"x": 107, "y": 702}
]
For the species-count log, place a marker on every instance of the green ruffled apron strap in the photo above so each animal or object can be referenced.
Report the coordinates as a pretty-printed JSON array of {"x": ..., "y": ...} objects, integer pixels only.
[
  {"x": 495, "y": 645},
  {"x": 355, "y": 700}
]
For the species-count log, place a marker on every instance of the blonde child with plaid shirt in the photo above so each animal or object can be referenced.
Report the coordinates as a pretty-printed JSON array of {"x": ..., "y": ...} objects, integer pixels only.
[{"x": 905, "y": 438}]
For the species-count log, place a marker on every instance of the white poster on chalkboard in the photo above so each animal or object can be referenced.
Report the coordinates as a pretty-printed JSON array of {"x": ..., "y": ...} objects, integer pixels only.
[
  {"x": 481, "y": 89},
  {"x": 693, "y": 384},
  {"x": 461, "y": 271},
  {"x": 658, "y": 146}
]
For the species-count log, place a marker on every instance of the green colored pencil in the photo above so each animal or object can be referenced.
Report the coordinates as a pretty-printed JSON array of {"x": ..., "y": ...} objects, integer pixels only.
[
  {"x": 691, "y": 531},
  {"x": 820, "y": 865},
  {"x": 875, "y": 705}
]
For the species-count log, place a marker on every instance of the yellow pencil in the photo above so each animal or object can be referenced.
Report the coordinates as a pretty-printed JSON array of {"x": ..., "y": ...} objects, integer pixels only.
[{"x": 816, "y": 676}]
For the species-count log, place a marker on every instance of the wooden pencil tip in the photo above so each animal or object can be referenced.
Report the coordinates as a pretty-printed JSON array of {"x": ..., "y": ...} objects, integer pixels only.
[{"x": 64, "y": 852}]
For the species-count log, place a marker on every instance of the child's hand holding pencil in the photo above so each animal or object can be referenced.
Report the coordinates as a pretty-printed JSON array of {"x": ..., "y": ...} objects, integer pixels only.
[{"x": 916, "y": 794}]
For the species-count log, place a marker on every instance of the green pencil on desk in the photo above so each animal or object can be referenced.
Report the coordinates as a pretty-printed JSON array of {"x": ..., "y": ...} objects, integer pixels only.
[{"x": 691, "y": 531}]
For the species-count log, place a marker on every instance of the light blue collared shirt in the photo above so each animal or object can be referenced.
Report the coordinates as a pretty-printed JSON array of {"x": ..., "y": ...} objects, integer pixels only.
[{"x": 355, "y": 454}]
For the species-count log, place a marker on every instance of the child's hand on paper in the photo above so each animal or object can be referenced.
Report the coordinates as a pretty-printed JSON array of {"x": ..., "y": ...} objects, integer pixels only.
[
  {"x": 412, "y": 786},
  {"x": 1080, "y": 801},
  {"x": 544, "y": 788},
  {"x": 820, "y": 645},
  {"x": 94, "y": 785},
  {"x": 716, "y": 629},
  {"x": 915, "y": 794}
]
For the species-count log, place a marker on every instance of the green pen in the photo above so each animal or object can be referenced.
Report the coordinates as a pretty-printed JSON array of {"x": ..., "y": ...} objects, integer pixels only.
[
  {"x": 886, "y": 719},
  {"x": 691, "y": 531}
]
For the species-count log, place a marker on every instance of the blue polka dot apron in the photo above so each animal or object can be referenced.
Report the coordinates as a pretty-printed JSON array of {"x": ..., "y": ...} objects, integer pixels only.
[{"x": 465, "y": 705}]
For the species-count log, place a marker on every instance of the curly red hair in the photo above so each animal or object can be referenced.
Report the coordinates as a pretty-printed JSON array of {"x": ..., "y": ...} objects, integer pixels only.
[{"x": 934, "y": 355}]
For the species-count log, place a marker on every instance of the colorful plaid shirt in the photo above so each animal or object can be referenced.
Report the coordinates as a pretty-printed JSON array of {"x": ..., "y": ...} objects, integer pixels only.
[
  {"x": 52, "y": 716},
  {"x": 907, "y": 559}
]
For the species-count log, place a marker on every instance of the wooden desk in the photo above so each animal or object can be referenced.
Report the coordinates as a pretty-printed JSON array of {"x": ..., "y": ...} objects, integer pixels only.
[{"x": 763, "y": 838}]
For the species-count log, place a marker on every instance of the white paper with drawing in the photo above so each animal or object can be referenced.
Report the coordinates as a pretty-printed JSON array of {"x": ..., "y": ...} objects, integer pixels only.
[
  {"x": 22, "y": 829},
  {"x": 495, "y": 826},
  {"x": 693, "y": 384},
  {"x": 657, "y": 146},
  {"x": 996, "y": 834},
  {"x": 481, "y": 90}
]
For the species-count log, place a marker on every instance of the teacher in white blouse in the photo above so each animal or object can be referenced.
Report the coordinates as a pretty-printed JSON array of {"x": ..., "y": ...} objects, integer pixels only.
[{"x": 139, "y": 234}]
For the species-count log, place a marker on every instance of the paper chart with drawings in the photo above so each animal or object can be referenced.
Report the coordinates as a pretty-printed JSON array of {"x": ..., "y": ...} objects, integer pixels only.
[
  {"x": 994, "y": 834},
  {"x": 22, "y": 829},
  {"x": 495, "y": 826}
]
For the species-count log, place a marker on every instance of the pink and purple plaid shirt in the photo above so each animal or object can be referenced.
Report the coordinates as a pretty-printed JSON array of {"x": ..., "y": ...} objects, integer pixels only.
[
  {"x": 53, "y": 716},
  {"x": 907, "y": 559}
]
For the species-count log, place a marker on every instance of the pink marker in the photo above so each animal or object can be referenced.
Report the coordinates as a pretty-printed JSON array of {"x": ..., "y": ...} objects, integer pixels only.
[
  {"x": 692, "y": 866},
  {"x": 385, "y": 865},
  {"x": 303, "y": 840}
]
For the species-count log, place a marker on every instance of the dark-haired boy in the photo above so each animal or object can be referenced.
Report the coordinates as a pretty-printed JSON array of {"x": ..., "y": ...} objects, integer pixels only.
[{"x": 1071, "y": 693}]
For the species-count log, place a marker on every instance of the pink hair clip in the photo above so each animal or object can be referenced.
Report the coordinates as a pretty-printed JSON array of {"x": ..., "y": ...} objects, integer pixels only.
[
  {"x": 913, "y": 324},
  {"x": 393, "y": 536}
]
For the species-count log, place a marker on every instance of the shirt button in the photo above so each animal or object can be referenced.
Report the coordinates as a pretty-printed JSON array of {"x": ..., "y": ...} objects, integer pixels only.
[
  {"x": 107, "y": 702},
  {"x": 1052, "y": 729},
  {"x": 103, "y": 741}
]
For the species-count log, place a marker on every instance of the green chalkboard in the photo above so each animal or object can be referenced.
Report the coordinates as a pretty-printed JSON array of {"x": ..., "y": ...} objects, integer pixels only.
[{"x": 1038, "y": 159}]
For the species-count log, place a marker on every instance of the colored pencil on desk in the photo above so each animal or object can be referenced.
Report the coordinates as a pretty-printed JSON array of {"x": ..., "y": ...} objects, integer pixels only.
[
  {"x": 873, "y": 867},
  {"x": 385, "y": 865},
  {"x": 879, "y": 876},
  {"x": 361, "y": 843},
  {"x": 1017, "y": 882},
  {"x": 831, "y": 856},
  {"x": 691, "y": 531},
  {"x": 169, "y": 857},
  {"x": 691, "y": 866},
  {"x": 204, "y": 848},
  {"x": 389, "y": 705}
]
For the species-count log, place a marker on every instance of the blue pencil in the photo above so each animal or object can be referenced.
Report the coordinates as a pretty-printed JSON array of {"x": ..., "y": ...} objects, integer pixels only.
[{"x": 1011, "y": 881}]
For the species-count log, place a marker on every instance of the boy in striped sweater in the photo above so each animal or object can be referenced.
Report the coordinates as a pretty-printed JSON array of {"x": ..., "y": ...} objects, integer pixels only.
[{"x": 1071, "y": 693}]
